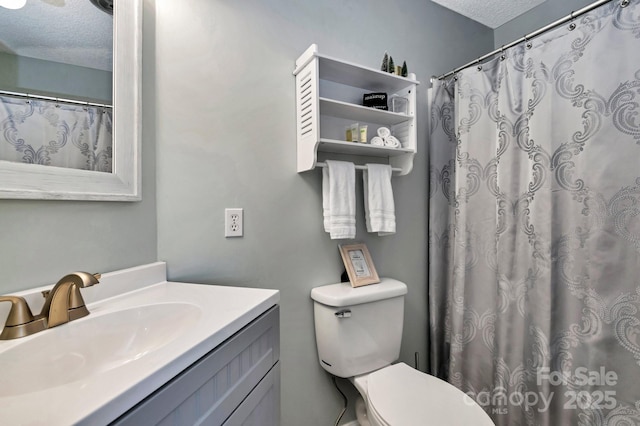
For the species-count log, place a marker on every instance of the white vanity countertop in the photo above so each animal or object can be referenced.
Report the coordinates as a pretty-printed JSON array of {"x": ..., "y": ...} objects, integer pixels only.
[{"x": 215, "y": 314}]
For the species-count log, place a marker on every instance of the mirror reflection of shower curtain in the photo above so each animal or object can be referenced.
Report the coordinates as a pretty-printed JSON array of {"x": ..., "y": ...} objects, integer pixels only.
[
  {"x": 534, "y": 227},
  {"x": 56, "y": 134}
]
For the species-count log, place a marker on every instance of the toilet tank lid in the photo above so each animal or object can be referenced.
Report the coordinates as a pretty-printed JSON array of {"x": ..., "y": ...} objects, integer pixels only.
[{"x": 342, "y": 294}]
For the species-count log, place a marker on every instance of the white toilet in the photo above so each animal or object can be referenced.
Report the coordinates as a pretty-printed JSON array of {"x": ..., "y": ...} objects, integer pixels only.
[{"x": 358, "y": 334}]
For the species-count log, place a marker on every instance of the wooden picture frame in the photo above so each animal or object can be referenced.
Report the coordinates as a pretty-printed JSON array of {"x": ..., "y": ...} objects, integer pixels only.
[{"x": 359, "y": 264}]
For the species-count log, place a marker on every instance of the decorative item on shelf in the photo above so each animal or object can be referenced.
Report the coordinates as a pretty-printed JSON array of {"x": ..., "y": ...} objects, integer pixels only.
[
  {"x": 390, "y": 67},
  {"x": 376, "y": 100},
  {"x": 399, "y": 104},
  {"x": 352, "y": 133},
  {"x": 359, "y": 264},
  {"x": 385, "y": 63}
]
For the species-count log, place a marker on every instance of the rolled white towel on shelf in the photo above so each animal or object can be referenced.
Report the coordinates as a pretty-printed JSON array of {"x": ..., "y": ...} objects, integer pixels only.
[
  {"x": 385, "y": 138},
  {"x": 377, "y": 141},
  {"x": 392, "y": 141},
  {"x": 384, "y": 132}
]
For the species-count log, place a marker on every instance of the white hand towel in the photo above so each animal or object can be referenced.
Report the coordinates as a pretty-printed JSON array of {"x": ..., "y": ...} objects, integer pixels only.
[
  {"x": 392, "y": 141},
  {"x": 339, "y": 199},
  {"x": 384, "y": 132},
  {"x": 379, "y": 207},
  {"x": 377, "y": 141}
]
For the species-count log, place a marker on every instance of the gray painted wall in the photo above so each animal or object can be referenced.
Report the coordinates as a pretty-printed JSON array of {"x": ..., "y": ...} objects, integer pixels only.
[
  {"x": 23, "y": 74},
  {"x": 218, "y": 100},
  {"x": 536, "y": 18},
  {"x": 40, "y": 241},
  {"x": 225, "y": 132}
]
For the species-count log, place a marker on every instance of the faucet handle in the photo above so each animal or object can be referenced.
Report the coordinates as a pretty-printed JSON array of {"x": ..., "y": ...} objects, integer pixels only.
[
  {"x": 20, "y": 312},
  {"x": 20, "y": 322}
]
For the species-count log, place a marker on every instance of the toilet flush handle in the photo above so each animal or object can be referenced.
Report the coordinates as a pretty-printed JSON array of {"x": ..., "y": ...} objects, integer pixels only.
[{"x": 345, "y": 313}]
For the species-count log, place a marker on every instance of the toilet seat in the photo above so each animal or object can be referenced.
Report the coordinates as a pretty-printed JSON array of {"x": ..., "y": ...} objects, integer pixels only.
[{"x": 400, "y": 395}]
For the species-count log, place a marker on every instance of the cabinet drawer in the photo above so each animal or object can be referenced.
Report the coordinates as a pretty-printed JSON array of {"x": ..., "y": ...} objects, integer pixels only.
[
  {"x": 211, "y": 389},
  {"x": 262, "y": 406}
]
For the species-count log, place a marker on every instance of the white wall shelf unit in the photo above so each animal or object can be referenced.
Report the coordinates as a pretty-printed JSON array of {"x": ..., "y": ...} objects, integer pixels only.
[{"x": 329, "y": 98}]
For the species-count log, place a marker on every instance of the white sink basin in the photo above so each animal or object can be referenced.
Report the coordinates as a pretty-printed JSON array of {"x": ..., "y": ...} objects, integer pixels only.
[
  {"x": 142, "y": 331},
  {"x": 92, "y": 345}
]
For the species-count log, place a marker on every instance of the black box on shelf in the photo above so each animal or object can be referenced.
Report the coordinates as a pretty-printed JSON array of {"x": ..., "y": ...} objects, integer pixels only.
[{"x": 375, "y": 100}]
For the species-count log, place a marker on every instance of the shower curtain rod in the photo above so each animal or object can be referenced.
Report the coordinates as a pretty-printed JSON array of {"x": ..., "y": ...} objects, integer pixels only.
[
  {"x": 570, "y": 17},
  {"x": 49, "y": 98}
]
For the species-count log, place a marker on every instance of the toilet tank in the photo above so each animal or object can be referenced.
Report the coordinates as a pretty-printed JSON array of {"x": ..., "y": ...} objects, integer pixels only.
[{"x": 358, "y": 330}]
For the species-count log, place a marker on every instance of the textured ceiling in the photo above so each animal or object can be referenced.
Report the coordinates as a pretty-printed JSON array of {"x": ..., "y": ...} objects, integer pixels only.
[
  {"x": 76, "y": 32},
  {"x": 68, "y": 31},
  {"x": 492, "y": 13}
]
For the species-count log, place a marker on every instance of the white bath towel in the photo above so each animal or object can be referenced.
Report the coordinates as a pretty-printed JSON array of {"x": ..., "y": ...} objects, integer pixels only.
[
  {"x": 339, "y": 199},
  {"x": 379, "y": 207}
]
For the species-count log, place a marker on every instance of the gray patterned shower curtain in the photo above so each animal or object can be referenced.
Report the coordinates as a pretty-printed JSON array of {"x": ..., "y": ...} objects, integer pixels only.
[
  {"x": 534, "y": 226},
  {"x": 56, "y": 134}
]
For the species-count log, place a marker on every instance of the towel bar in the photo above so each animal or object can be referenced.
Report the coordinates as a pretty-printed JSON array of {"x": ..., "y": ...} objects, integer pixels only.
[{"x": 393, "y": 169}]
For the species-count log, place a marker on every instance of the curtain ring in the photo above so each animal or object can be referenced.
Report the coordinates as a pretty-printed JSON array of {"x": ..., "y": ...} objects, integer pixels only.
[
  {"x": 625, "y": 3},
  {"x": 572, "y": 25},
  {"x": 502, "y": 55},
  {"x": 479, "y": 67},
  {"x": 528, "y": 43}
]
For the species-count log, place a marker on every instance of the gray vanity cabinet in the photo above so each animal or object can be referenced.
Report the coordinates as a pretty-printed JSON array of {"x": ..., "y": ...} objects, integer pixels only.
[{"x": 237, "y": 383}]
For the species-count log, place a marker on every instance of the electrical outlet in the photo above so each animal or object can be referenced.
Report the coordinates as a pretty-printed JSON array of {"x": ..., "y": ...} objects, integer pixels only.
[{"x": 233, "y": 222}]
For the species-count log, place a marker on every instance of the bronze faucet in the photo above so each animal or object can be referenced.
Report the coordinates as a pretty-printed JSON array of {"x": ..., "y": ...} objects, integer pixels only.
[{"x": 63, "y": 303}]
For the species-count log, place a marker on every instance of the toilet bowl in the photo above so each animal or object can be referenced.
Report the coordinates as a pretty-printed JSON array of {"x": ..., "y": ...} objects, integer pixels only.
[{"x": 399, "y": 395}]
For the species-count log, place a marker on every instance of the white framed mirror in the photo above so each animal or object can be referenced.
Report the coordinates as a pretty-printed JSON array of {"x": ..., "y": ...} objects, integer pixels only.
[{"x": 34, "y": 181}]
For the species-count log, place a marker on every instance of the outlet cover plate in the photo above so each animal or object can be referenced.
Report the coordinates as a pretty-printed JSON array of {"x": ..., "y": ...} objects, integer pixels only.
[{"x": 233, "y": 221}]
